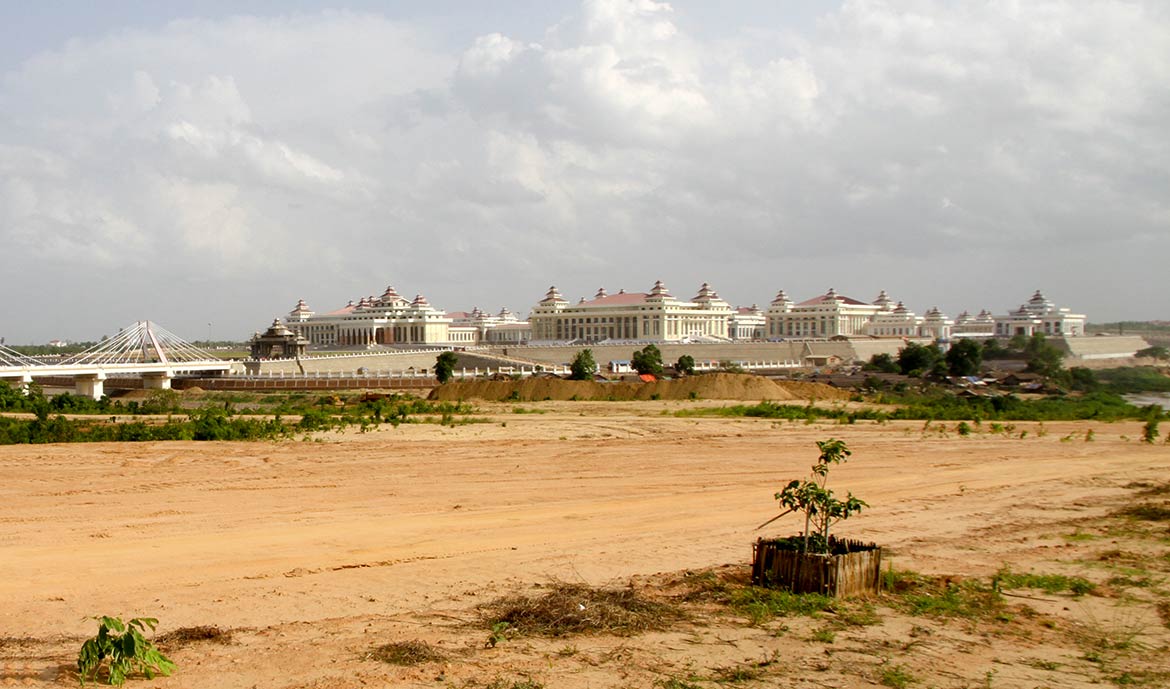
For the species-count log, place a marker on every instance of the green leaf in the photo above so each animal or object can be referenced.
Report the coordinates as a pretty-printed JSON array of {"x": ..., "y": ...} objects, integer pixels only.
[
  {"x": 129, "y": 645},
  {"x": 113, "y": 623}
]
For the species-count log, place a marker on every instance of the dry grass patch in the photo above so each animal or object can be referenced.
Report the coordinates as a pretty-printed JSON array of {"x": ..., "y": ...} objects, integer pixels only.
[
  {"x": 580, "y": 609},
  {"x": 185, "y": 636},
  {"x": 406, "y": 653}
]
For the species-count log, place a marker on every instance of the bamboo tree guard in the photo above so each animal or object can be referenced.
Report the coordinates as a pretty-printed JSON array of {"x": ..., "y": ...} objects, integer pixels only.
[{"x": 854, "y": 568}]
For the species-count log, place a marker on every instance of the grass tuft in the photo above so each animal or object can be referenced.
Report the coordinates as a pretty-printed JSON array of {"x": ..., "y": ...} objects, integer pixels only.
[
  {"x": 897, "y": 676},
  {"x": 762, "y": 604},
  {"x": 943, "y": 596},
  {"x": 1049, "y": 583}
]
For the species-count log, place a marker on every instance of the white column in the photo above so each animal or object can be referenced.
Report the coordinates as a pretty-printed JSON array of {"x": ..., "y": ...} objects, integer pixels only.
[
  {"x": 157, "y": 381},
  {"x": 91, "y": 385}
]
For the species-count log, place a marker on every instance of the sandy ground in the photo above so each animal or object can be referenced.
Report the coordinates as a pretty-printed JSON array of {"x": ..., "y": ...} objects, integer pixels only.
[{"x": 315, "y": 551}]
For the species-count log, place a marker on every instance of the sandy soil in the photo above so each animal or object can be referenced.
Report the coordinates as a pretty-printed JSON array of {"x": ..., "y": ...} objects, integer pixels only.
[{"x": 314, "y": 552}]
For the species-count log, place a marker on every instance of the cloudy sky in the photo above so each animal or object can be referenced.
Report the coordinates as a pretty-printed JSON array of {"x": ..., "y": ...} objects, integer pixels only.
[{"x": 205, "y": 169}]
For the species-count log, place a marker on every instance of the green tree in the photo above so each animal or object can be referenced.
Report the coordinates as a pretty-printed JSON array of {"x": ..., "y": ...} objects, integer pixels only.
[
  {"x": 685, "y": 365},
  {"x": 1043, "y": 357},
  {"x": 820, "y": 506},
  {"x": 648, "y": 360},
  {"x": 583, "y": 366},
  {"x": 1083, "y": 379},
  {"x": 964, "y": 358},
  {"x": 993, "y": 349},
  {"x": 882, "y": 362},
  {"x": 918, "y": 360},
  {"x": 445, "y": 366}
]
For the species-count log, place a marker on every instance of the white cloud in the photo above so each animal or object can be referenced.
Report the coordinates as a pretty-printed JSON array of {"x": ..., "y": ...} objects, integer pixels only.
[{"x": 321, "y": 155}]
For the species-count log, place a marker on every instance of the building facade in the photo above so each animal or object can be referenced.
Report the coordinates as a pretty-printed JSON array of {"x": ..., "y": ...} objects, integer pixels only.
[
  {"x": 1039, "y": 315},
  {"x": 981, "y": 325},
  {"x": 634, "y": 316},
  {"x": 482, "y": 327},
  {"x": 747, "y": 323},
  {"x": 393, "y": 320},
  {"x": 386, "y": 320},
  {"x": 835, "y": 315},
  {"x": 658, "y": 316},
  {"x": 827, "y": 315}
]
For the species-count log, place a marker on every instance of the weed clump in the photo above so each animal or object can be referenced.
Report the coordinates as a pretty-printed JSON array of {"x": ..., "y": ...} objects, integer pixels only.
[
  {"x": 580, "y": 609},
  {"x": 406, "y": 653}
]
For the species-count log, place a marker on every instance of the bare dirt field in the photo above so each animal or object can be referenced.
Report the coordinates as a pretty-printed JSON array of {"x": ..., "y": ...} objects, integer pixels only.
[{"x": 313, "y": 555}]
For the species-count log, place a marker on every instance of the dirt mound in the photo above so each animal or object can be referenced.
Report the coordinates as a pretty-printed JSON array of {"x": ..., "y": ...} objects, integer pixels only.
[{"x": 713, "y": 386}]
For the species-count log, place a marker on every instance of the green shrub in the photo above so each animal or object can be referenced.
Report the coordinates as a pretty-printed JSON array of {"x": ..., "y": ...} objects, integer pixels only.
[{"x": 120, "y": 649}]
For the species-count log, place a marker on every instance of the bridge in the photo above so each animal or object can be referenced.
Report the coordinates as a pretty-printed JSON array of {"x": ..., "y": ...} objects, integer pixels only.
[{"x": 144, "y": 350}]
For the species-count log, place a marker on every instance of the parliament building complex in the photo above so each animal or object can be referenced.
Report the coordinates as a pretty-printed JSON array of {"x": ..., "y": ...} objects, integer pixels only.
[{"x": 659, "y": 316}]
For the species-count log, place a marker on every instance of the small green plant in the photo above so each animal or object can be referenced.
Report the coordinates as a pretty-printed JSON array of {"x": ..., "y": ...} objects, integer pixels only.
[
  {"x": 121, "y": 650},
  {"x": 498, "y": 633},
  {"x": 820, "y": 507},
  {"x": 897, "y": 676},
  {"x": 862, "y": 615},
  {"x": 987, "y": 677},
  {"x": 1150, "y": 431},
  {"x": 737, "y": 673},
  {"x": 824, "y": 636}
]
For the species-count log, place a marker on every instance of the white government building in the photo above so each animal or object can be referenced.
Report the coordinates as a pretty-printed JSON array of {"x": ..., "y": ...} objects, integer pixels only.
[
  {"x": 656, "y": 316},
  {"x": 659, "y": 316}
]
